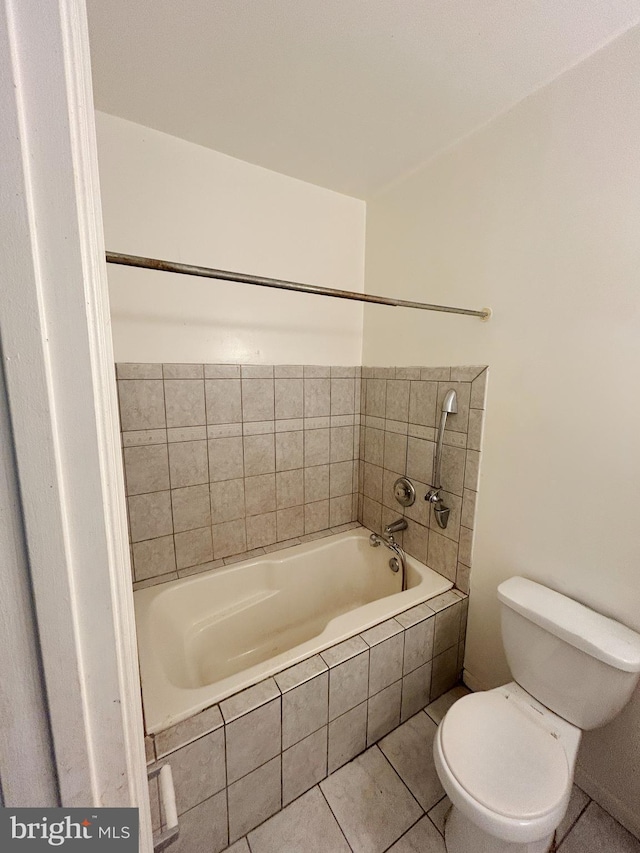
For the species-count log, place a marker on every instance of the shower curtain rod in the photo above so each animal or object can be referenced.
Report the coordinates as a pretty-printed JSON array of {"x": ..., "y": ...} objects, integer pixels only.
[{"x": 225, "y": 275}]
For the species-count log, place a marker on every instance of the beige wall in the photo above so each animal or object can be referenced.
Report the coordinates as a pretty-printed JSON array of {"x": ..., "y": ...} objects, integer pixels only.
[
  {"x": 167, "y": 198},
  {"x": 538, "y": 216}
]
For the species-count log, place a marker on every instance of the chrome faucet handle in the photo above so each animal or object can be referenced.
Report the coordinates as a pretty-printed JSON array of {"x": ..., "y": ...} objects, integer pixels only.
[{"x": 433, "y": 496}]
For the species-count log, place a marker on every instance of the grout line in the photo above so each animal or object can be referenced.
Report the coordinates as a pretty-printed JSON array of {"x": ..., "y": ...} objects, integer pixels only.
[
  {"x": 333, "y": 813},
  {"x": 377, "y": 746}
]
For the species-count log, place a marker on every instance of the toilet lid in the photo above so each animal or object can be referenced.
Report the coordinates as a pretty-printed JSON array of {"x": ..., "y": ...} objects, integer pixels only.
[{"x": 503, "y": 758}]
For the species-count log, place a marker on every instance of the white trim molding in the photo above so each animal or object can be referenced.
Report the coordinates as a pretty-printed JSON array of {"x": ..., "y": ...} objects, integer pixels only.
[{"x": 58, "y": 364}]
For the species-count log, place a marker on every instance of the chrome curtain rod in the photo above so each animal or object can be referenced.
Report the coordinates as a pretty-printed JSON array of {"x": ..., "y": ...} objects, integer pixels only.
[{"x": 225, "y": 275}]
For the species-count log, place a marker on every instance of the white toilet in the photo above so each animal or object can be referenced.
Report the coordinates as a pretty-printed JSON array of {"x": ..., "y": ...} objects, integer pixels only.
[{"x": 506, "y": 757}]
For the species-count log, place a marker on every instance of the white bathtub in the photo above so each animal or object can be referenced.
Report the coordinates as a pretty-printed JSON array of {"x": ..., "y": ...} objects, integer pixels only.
[{"x": 206, "y": 637}]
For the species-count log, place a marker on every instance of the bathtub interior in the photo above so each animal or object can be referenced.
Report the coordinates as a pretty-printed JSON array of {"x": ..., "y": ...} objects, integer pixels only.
[
  {"x": 214, "y": 626},
  {"x": 205, "y": 638}
]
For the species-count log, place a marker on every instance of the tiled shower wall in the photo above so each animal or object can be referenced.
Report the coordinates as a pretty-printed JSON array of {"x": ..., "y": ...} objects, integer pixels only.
[
  {"x": 401, "y": 412},
  {"x": 226, "y": 461},
  {"x": 223, "y": 461}
]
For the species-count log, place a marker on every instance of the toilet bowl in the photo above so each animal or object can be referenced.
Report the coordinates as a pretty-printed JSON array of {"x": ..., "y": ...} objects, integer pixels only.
[
  {"x": 518, "y": 808},
  {"x": 506, "y": 757}
]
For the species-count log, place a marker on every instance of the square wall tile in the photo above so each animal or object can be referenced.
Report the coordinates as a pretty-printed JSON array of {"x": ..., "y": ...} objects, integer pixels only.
[
  {"x": 224, "y": 401},
  {"x": 229, "y": 538},
  {"x": 227, "y": 500},
  {"x": 422, "y": 403},
  {"x": 416, "y": 540},
  {"x": 342, "y": 439},
  {"x": 316, "y": 483},
  {"x": 316, "y": 447},
  {"x": 225, "y": 458},
  {"x": 254, "y": 798},
  {"x": 259, "y": 455},
  {"x": 416, "y": 686},
  {"x": 453, "y": 462},
  {"x": 341, "y": 479},
  {"x": 445, "y": 672},
  {"x": 340, "y": 510},
  {"x": 188, "y": 463},
  {"x": 141, "y": 404},
  {"x": 347, "y": 736},
  {"x": 305, "y": 709},
  {"x": 385, "y": 663},
  {"x": 373, "y": 446},
  {"x": 260, "y": 494},
  {"x": 447, "y": 631},
  {"x": 442, "y": 555},
  {"x": 261, "y": 530},
  {"x": 191, "y": 508},
  {"x": 418, "y": 644},
  {"x": 420, "y": 454},
  {"x": 397, "y": 407},
  {"x": 304, "y": 765},
  {"x": 252, "y": 740},
  {"x": 384, "y": 712},
  {"x": 348, "y": 684},
  {"x": 478, "y": 390},
  {"x": 258, "y": 400},
  {"x": 288, "y": 398},
  {"x": 289, "y": 523},
  {"x": 199, "y": 770},
  {"x": 289, "y": 487},
  {"x": 375, "y": 397},
  {"x": 248, "y": 700},
  {"x": 153, "y": 557},
  {"x": 343, "y": 396},
  {"x": 184, "y": 401},
  {"x": 193, "y": 547},
  {"x": 316, "y": 516},
  {"x": 146, "y": 469},
  {"x": 472, "y": 470},
  {"x": 395, "y": 452},
  {"x": 150, "y": 516},
  {"x": 317, "y": 397},
  {"x": 204, "y": 827},
  {"x": 289, "y": 450}
]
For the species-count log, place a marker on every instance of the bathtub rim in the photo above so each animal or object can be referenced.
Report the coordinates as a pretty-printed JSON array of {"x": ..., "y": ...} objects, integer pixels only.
[{"x": 159, "y": 692}]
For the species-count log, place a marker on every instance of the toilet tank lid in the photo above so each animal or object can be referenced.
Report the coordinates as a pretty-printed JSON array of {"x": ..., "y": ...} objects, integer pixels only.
[{"x": 591, "y": 632}]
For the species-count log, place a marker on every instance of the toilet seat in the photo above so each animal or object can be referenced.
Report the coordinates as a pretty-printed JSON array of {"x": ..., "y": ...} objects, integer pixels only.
[{"x": 504, "y": 765}]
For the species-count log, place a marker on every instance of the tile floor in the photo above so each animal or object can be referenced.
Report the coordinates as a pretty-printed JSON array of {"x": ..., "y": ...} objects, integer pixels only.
[{"x": 390, "y": 799}]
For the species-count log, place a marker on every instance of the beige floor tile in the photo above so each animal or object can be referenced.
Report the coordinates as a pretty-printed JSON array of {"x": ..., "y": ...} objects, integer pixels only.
[
  {"x": 409, "y": 748},
  {"x": 439, "y": 812},
  {"x": 421, "y": 838},
  {"x": 370, "y": 802},
  {"x": 436, "y": 710},
  {"x": 305, "y": 825},
  {"x": 577, "y": 804},
  {"x": 598, "y": 832}
]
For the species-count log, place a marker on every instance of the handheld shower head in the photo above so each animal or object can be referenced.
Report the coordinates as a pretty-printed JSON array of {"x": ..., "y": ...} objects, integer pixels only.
[{"x": 450, "y": 403}]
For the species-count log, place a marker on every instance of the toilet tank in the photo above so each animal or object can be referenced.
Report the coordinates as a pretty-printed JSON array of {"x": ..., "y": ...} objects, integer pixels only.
[{"x": 580, "y": 664}]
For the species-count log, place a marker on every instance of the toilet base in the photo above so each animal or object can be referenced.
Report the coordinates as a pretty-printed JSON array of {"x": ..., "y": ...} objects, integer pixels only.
[{"x": 463, "y": 836}]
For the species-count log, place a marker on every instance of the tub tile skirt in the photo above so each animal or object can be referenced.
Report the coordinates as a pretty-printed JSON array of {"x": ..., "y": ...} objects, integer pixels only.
[{"x": 238, "y": 763}]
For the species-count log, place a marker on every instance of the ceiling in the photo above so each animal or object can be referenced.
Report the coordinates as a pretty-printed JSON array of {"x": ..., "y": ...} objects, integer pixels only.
[{"x": 346, "y": 94}]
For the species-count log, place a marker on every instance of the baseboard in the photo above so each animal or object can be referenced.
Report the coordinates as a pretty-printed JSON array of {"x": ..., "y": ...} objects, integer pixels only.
[
  {"x": 474, "y": 684},
  {"x": 629, "y": 818}
]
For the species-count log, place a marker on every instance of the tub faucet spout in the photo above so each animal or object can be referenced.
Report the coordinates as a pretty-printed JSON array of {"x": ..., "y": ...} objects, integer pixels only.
[
  {"x": 399, "y": 560},
  {"x": 395, "y": 527}
]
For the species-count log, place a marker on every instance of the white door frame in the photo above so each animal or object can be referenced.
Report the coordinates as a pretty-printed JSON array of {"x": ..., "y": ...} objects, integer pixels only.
[{"x": 59, "y": 372}]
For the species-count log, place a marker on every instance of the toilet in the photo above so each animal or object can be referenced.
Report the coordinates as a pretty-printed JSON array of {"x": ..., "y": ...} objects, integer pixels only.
[{"x": 506, "y": 757}]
